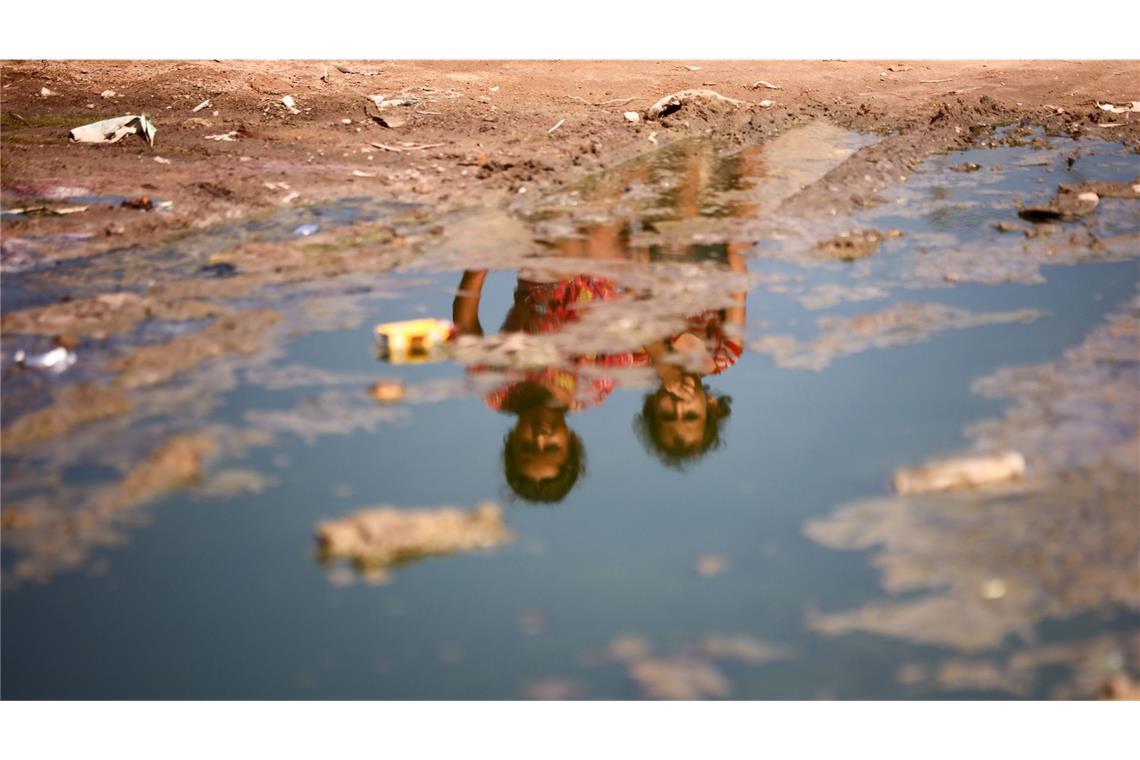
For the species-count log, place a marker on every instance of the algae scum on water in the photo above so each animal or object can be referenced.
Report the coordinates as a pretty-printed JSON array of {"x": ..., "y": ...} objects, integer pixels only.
[{"x": 631, "y": 439}]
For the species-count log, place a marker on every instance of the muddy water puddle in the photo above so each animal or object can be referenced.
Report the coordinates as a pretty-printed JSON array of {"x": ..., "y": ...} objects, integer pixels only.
[{"x": 649, "y": 457}]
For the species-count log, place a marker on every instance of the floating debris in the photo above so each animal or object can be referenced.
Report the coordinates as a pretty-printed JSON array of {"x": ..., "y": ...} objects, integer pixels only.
[
  {"x": 979, "y": 565},
  {"x": 743, "y": 649},
  {"x": 960, "y": 472},
  {"x": 58, "y": 360},
  {"x": 412, "y": 340},
  {"x": 855, "y": 244},
  {"x": 1065, "y": 207},
  {"x": 678, "y": 678},
  {"x": 375, "y": 539},
  {"x": 708, "y": 565},
  {"x": 387, "y": 391}
]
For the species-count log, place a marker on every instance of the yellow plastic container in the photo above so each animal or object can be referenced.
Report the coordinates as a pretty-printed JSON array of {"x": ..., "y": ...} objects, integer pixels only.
[{"x": 413, "y": 341}]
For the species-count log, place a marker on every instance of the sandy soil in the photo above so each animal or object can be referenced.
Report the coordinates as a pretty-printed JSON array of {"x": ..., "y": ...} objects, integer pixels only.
[{"x": 489, "y": 124}]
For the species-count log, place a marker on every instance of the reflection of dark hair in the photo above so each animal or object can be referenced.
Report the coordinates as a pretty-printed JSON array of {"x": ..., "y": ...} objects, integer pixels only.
[
  {"x": 648, "y": 430},
  {"x": 549, "y": 490},
  {"x": 526, "y": 395}
]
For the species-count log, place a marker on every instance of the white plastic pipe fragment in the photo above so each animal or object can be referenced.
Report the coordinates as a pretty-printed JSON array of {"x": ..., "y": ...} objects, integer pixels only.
[
  {"x": 59, "y": 359},
  {"x": 113, "y": 130},
  {"x": 960, "y": 472}
]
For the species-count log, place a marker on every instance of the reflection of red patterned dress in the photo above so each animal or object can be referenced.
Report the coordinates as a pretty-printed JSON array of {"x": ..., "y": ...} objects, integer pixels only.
[
  {"x": 545, "y": 307},
  {"x": 709, "y": 327}
]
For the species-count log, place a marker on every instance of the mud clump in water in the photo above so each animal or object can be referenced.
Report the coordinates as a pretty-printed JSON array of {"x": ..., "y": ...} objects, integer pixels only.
[
  {"x": 75, "y": 405},
  {"x": 49, "y": 538},
  {"x": 678, "y": 678},
  {"x": 1058, "y": 543},
  {"x": 175, "y": 463},
  {"x": 103, "y": 315},
  {"x": 1065, "y": 207},
  {"x": 377, "y": 539},
  {"x": 241, "y": 333},
  {"x": 1102, "y": 667},
  {"x": 856, "y": 244}
]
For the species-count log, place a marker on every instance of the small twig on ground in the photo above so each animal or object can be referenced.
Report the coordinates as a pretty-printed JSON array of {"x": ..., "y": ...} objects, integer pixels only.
[
  {"x": 556, "y": 126},
  {"x": 611, "y": 101},
  {"x": 934, "y": 81},
  {"x": 406, "y": 146}
]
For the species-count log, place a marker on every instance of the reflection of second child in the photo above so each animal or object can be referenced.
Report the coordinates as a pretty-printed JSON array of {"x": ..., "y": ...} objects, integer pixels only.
[{"x": 681, "y": 421}]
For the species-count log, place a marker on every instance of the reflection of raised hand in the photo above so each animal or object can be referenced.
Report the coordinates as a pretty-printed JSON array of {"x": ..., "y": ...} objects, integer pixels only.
[
  {"x": 736, "y": 314},
  {"x": 465, "y": 307}
]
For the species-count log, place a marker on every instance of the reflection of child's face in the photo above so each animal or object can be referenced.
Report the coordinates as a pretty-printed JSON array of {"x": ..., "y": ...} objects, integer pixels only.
[
  {"x": 541, "y": 443},
  {"x": 681, "y": 409}
]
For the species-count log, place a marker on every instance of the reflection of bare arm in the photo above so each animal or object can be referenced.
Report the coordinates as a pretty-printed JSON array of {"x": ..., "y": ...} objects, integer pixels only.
[
  {"x": 735, "y": 315},
  {"x": 465, "y": 307},
  {"x": 664, "y": 363}
]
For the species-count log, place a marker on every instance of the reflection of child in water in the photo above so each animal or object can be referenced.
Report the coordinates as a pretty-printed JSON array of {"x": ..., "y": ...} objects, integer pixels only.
[
  {"x": 680, "y": 422},
  {"x": 542, "y": 457}
]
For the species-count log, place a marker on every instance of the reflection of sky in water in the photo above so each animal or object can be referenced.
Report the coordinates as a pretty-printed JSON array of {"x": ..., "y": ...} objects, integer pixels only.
[{"x": 223, "y": 599}]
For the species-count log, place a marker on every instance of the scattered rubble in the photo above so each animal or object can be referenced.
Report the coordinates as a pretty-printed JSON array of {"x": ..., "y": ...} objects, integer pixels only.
[{"x": 674, "y": 102}]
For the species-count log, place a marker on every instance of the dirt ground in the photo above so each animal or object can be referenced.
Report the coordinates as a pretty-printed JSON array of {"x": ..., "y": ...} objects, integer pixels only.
[{"x": 480, "y": 132}]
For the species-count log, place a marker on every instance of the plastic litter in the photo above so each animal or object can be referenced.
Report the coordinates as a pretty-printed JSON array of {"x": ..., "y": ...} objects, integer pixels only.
[
  {"x": 1133, "y": 107},
  {"x": 113, "y": 130},
  {"x": 413, "y": 341},
  {"x": 306, "y": 229},
  {"x": 290, "y": 104},
  {"x": 46, "y": 210},
  {"x": 219, "y": 269},
  {"x": 961, "y": 472},
  {"x": 59, "y": 359}
]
